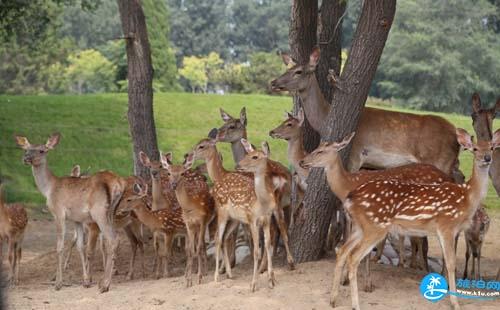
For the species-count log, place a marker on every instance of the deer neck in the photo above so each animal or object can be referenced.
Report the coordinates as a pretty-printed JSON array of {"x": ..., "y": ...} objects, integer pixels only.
[
  {"x": 238, "y": 150},
  {"x": 215, "y": 168},
  {"x": 44, "y": 179},
  {"x": 263, "y": 184},
  {"x": 3, "y": 211},
  {"x": 146, "y": 217},
  {"x": 296, "y": 151},
  {"x": 477, "y": 186},
  {"x": 159, "y": 200},
  {"x": 315, "y": 106},
  {"x": 339, "y": 180}
]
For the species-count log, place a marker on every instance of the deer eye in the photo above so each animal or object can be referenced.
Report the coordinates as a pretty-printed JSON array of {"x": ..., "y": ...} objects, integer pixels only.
[
  {"x": 201, "y": 146},
  {"x": 289, "y": 125},
  {"x": 298, "y": 72},
  {"x": 182, "y": 174},
  {"x": 474, "y": 149},
  {"x": 169, "y": 174},
  {"x": 232, "y": 127},
  {"x": 41, "y": 151},
  {"x": 255, "y": 157}
]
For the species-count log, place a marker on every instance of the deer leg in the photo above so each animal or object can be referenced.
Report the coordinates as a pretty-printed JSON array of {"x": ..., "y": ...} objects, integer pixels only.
[
  {"x": 80, "y": 247},
  {"x": 269, "y": 252},
  {"x": 61, "y": 231},
  {"x": 156, "y": 249},
  {"x": 467, "y": 256},
  {"x": 106, "y": 228},
  {"x": 380, "y": 250},
  {"x": 167, "y": 258},
  {"x": 447, "y": 241},
  {"x": 232, "y": 226},
  {"x": 479, "y": 262},
  {"x": 360, "y": 251},
  {"x": 11, "y": 253},
  {"x": 342, "y": 255},
  {"x": 200, "y": 250},
  {"x": 424, "y": 249},
  {"x": 70, "y": 250},
  {"x": 255, "y": 238},
  {"x": 19, "y": 252},
  {"x": 414, "y": 252},
  {"x": 190, "y": 251},
  {"x": 134, "y": 244},
  {"x": 219, "y": 234},
  {"x": 280, "y": 218},
  {"x": 90, "y": 250},
  {"x": 401, "y": 244}
]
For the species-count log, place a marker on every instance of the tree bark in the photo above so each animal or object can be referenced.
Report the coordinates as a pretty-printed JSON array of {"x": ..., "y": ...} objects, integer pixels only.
[
  {"x": 140, "y": 83},
  {"x": 310, "y": 229},
  {"x": 302, "y": 39}
]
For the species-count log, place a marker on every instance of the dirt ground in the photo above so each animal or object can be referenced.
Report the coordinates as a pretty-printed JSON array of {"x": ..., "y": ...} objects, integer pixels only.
[{"x": 307, "y": 287}]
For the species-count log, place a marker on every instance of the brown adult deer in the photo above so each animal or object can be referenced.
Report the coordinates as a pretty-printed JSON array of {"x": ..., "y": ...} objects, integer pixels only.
[
  {"x": 164, "y": 222},
  {"x": 385, "y": 139},
  {"x": 482, "y": 121},
  {"x": 291, "y": 131},
  {"x": 474, "y": 238},
  {"x": 197, "y": 205},
  {"x": 235, "y": 202},
  {"x": 13, "y": 222},
  {"x": 418, "y": 209},
  {"x": 341, "y": 181},
  {"x": 80, "y": 200}
]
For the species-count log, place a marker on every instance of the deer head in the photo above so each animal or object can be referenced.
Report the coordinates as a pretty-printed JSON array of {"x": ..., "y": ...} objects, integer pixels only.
[
  {"x": 482, "y": 118},
  {"x": 482, "y": 150},
  {"x": 203, "y": 150},
  {"x": 325, "y": 153},
  {"x": 177, "y": 172},
  {"x": 35, "y": 154},
  {"x": 234, "y": 128},
  {"x": 255, "y": 160},
  {"x": 136, "y": 189},
  {"x": 290, "y": 128},
  {"x": 153, "y": 165},
  {"x": 299, "y": 76}
]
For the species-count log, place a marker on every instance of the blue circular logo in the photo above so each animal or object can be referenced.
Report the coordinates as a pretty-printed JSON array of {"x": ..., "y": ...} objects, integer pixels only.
[{"x": 434, "y": 287}]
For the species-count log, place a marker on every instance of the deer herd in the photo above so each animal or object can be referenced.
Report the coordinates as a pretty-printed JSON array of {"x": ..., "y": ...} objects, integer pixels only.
[{"x": 413, "y": 188}]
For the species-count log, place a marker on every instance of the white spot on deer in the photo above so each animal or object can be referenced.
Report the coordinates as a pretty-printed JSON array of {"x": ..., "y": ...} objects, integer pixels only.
[
  {"x": 373, "y": 196},
  {"x": 378, "y": 199},
  {"x": 413, "y": 217},
  {"x": 365, "y": 204}
]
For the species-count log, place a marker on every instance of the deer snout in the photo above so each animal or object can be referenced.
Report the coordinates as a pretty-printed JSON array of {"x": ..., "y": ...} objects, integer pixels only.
[
  {"x": 487, "y": 158},
  {"x": 303, "y": 164},
  {"x": 27, "y": 160},
  {"x": 155, "y": 174},
  {"x": 272, "y": 133},
  {"x": 274, "y": 86}
]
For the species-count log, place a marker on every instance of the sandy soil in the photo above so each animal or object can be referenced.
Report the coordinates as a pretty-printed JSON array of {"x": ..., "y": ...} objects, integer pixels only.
[{"x": 307, "y": 287}]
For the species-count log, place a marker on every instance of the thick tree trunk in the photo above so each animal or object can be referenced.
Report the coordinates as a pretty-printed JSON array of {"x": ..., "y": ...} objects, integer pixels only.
[
  {"x": 140, "y": 83},
  {"x": 302, "y": 39},
  {"x": 310, "y": 230}
]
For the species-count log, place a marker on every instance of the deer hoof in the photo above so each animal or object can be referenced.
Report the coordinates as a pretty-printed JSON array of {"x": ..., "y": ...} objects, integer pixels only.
[
  {"x": 86, "y": 284},
  {"x": 58, "y": 286},
  {"x": 368, "y": 288},
  {"x": 103, "y": 288},
  {"x": 253, "y": 286}
]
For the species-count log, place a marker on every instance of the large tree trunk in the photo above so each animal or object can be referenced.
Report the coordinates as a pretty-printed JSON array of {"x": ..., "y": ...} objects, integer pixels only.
[
  {"x": 140, "y": 83},
  {"x": 376, "y": 18},
  {"x": 302, "y": 39}
]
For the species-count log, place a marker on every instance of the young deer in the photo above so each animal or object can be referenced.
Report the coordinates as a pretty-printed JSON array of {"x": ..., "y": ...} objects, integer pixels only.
[
  {"x": 235, "y": 202},
  {"x": 474, "y": 238},
  {"x": 291, "y": 131},
  {"x": 482, "y": 121},
  {"x": 80, "y": 200},
  {"x": 197, "y": 205},
  {"x": 164, "y": 222},
  {"x": 379, "y": 206},
  {"x": 13, "y": 221},
  {"x": 258, "y": 163},
  {"x": 342, "y": 182}
]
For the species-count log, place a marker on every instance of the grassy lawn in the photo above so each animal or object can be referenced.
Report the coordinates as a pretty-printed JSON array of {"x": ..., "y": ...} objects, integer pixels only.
[{"x": 95, "y": 131}]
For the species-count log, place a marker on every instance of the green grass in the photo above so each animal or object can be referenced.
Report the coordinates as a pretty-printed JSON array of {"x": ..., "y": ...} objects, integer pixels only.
[{"x": 95, "y": 131}]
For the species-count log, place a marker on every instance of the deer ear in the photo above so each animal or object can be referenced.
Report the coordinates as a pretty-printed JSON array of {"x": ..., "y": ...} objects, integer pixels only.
[
  {"x": 314, "y": 58},
  {"x": 266, "y": 149},
  {"x": 225, "y": 117},
  {"x": 464, "y": 139},
  {"x": 345, "y": 142},
  {"x": 476, "y": 102},
  {"x": 248, "y": 147},
  {"x": 287, "y": 59},
  {"x": 53, "y": 140},
  {"x": 300, "y": 117},
  {"x": 288, "y": 115},
  {"x": 22, "y": 142},
  {"x": 243, "y": 116},
  {"x": 189, "y": 160},
  {"x": 495, "y": 141},
  {"x": 166, "y": 160},
  {"x": 144, "y": 159},
  {"x": 75, "y": 172}
]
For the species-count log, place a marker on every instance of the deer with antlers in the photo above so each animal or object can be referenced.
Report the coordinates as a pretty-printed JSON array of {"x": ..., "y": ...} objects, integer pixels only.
[
  {"x": 385, "y": 139},
  {"x": 13, "y": 222},
  {"x": 80, "y": 200},
  {"x": 197, "y": 205},
  {"x": 445, "y": 209},
  {"x": 164, "y": 223}
]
